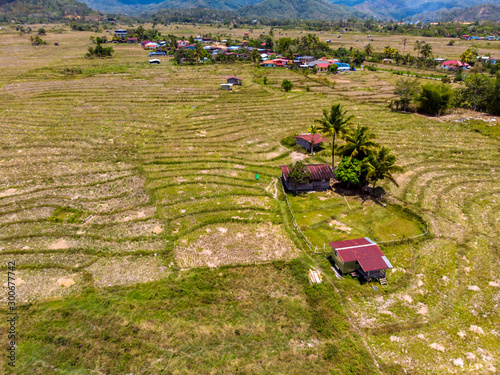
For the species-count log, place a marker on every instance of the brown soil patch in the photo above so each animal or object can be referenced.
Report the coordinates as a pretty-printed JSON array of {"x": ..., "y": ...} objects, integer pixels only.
[
  {"x": 340, "y": 226},
  {"x": 297, "y": 156},
  {"x": 129, "y": 270},
  {"x": 59, "y": 245},
  {"x": 65, "y": 282},
  {"x": 233, "y": 244}
]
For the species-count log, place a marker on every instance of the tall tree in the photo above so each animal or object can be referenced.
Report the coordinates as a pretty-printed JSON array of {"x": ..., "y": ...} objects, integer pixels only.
[
  {"x": 358, "y": 143},
  {"x": 368, "y": 49},
  {"x": 334, "y": 123},
  {"x": 435, "y": 99},
  {"x": 382, "y": 165},
  {"x": 426, "y": 50},
  {"x": 389, "y": 52},
  {"x": 255, "y": 56},
  {"x": 418, "y": 47},
  {"x": 407, "y": 90},
  {"x": 313, "y": 129},
  {"x": 469, "y": 55}
]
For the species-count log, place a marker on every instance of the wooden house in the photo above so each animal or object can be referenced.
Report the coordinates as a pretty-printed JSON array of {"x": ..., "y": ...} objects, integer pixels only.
[
  {"x": 319, "y": 179},
  {"x": 305, "y": 140},
  {"x": 122, "y": 34},
  {"x": 234, "y": 80},
  {"x": 361, "y": 256},
  {"x": 306, "y": 59},
  {"x": 453, "y": 65}
]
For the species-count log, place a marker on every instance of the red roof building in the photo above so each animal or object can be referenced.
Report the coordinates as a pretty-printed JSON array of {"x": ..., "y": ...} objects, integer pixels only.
[
  {"x": 305, "y": 140},
  {"x": 319, "y": 178},
  {"x": 316, "y": 138},
  {"x": 454, "y": 64},
  {"x": 362, "y": 256}
]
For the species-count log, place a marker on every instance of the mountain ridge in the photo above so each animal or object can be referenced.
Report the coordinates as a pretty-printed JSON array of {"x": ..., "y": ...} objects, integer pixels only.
[
  {"x": 482, "y": 12},
  {"x": 413, "y": 10},
  {"x": 43, "y": 9},
  {"x": 300, "y": 9}
]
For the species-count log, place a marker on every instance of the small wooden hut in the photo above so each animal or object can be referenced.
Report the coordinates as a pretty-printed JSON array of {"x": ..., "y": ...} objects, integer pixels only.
[
  {"x": 319, "y": 179},
  {"x": 234, "y": 80},
  {"x": 305, "y": 140},
  {"x": 360, "y": 256}
]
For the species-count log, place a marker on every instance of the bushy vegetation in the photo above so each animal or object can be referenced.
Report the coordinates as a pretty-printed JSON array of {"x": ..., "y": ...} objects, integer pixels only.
[
  {"x": 298, "y": 173},
  {"x": 286, "y": 85},
  {"x": 435, "y": 99},
  {"x": 37, "y": 41},
  {"x": 350, "y": 172},
  {"x": 99, "y": 50},
  {"x": 476, "y": 91},
  {"x": 479, "y": 92}
]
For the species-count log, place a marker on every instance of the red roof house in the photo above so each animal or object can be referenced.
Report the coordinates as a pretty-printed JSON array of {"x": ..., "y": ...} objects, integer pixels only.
[
  {"x": 305, "y": 140},
  {"x": 454, "y": 64},
  {"x": 362, "y": 256},
  {"x": 319, "y": 178}
]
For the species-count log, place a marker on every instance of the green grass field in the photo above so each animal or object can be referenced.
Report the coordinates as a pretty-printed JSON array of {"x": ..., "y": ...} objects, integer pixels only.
[{"x": 191, "y": 265}]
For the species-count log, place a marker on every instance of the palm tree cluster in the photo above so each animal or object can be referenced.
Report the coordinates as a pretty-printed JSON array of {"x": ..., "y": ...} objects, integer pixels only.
[{"x": 363, "y": 160}]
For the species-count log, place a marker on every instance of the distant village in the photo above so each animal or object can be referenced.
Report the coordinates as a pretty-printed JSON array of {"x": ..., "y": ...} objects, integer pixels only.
[{"x": 268, "y": 58}]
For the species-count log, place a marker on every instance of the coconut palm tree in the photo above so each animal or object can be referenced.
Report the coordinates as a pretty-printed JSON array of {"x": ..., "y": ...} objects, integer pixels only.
[
  {"x": 313, "y": 129},
  {"x": 332, "y": 123},
  {"x": 368, "y": 49},
  {"x": 358, "y": 143},
  {"x": 418, "y": 48},
  {"x": 426, "y": 50},
  {"x": 381, "y": 166}
]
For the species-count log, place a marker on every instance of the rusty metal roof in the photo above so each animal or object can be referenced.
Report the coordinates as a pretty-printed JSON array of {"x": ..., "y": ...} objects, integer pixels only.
[
  {"x": 364, "y": 251},
  {"x": 309, "y": 137},
  {"x": 318, "y": 171}
]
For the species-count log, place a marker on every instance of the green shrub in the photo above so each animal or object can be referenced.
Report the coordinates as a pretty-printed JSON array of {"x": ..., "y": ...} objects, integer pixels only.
[
  {"x": 289, "y": 141},
  {"x": 298, "y": 173},
  {"x": 286, "y": 85},
  {"x": 435, "y": 99}
]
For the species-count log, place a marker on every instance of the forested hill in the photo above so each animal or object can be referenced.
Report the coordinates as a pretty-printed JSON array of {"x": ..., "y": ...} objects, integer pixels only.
[
  {"x": 416, "y": 10},
  {"x": 484, "y": 12},
  {"x": 42, "y": 10},
  {"x": 404, "y": 9},
  {"x": 300, "y": 9},
  {"x": 139, "y": 6}
]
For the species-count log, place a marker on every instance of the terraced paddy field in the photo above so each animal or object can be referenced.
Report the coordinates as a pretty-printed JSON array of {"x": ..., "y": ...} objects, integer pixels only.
[{"x": 145, "y": 244}]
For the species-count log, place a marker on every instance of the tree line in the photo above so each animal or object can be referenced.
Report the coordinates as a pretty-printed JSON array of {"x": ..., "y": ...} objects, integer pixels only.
[{"x": 477, "y": 91}]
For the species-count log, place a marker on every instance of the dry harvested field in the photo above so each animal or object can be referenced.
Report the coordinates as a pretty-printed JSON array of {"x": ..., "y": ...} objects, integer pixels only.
[{"x": 114, "y": 173}]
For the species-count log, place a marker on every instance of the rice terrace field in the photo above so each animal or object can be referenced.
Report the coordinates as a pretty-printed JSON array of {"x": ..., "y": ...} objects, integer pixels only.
[{"x": 144, "y": 244}]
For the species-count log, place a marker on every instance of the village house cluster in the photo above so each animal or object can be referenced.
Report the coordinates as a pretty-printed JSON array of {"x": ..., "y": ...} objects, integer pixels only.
[{"x": 268, "y": 58}]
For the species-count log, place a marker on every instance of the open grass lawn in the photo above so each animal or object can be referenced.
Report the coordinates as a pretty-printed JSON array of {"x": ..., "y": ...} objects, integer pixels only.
[
  {"x": 264, "y": 319},
  {"x": 328, "y": 217},
  {"x": 145, "y": 244}
]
